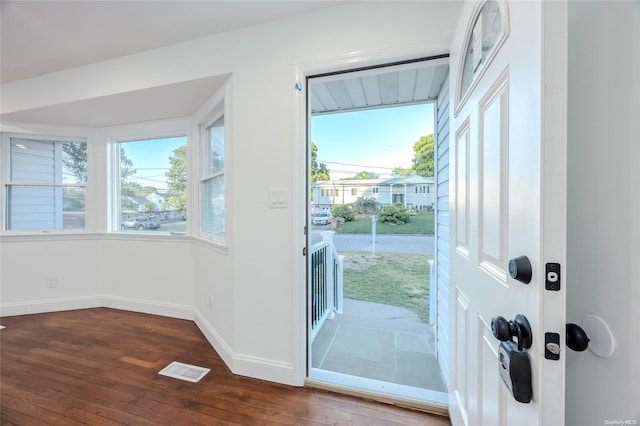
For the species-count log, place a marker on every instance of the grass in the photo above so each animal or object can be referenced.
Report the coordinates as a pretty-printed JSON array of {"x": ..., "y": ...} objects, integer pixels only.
[
  {"x": 397, "y": 279},
  {"x": 421, "y": 224}
]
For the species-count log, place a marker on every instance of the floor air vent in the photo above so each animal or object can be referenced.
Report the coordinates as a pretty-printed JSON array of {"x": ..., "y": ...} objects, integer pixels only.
[{"x": 187, "y": 372}]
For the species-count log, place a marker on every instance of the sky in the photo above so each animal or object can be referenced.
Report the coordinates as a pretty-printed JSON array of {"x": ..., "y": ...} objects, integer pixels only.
[
  {"x": 150, "y": 159},
  {"x": 373, "y": 140}
]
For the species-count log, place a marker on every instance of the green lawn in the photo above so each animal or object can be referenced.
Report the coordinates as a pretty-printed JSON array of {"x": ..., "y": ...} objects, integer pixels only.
[
  {"x": 421, "y": 224},
  {"x": 397, "y": 279}
]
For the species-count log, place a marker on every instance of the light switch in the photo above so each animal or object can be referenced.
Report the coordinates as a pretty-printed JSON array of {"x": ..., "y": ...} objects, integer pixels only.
[{"x": 277, "y": 199}]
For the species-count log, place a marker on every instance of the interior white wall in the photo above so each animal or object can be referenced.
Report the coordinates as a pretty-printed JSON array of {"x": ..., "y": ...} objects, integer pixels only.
[
  {"x": 152, "y": 275},
  {"x": 257, "y": 283},
  {"x": 603, "y": 205},
  {"x": 27, "y": 265}
]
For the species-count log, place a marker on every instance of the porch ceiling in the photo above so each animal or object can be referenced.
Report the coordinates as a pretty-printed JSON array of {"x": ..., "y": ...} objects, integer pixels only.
[{"x": 378, "y": 88}]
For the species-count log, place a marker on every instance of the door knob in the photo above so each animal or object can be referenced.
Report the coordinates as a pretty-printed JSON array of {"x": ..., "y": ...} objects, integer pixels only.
[
  {"x": 519, "y": 327},
  {"x": 576, "y": 338},
  {"x": 520, "y": 269}
]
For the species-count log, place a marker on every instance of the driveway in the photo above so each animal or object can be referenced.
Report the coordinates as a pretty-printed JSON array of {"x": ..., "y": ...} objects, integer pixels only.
[{"x": 422, "y": 244}]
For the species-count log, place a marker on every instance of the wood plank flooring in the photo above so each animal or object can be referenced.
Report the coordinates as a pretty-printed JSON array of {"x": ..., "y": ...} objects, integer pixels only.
[{"x": 100, "y": 367}]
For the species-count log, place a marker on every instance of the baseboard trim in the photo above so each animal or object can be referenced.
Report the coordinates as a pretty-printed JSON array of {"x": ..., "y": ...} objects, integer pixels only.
[
  {"x": 51, "y": 305},
  {"x": 215, "y": 340},
  {"x": 243, "y": 365},
  {"x": 147, "y": 307}
]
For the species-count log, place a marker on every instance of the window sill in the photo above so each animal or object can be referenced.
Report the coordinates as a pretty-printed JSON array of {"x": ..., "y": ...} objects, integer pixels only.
[
  {"x": 77, "y": 236},
  {"x": 214, "y": 245}
]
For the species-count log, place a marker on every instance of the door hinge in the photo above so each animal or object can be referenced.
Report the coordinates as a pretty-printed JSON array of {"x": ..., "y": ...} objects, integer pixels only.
[{"x": 304, "y": 251}]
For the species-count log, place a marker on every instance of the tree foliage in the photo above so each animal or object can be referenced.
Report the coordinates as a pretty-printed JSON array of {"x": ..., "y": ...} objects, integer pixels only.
[
  {"x": 134, "y": 189},
  {"x": 366, "y": 205},
  {"x": 423, "y": 160},
  {"x": 319, "y": 171},
  {"x": 75, "y": 159},
  {"x": 126, "y": 166},
  {"x": 402, "y": 171},
  {"x": 177, "y": 178},
  {"x": 364, "y": 175}
]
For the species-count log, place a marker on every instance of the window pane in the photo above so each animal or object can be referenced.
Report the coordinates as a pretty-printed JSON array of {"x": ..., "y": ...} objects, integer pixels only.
[
  {"x": 486, "y": 32},
  {"x": 153, "y": 185},
  {"x": 45, "y": 207},
  {"x": 213, "y": 206},
  {"x": 74, "y": 162},
  {"x": 215, "y": 135},
  {"x": 46, "y": 188}
]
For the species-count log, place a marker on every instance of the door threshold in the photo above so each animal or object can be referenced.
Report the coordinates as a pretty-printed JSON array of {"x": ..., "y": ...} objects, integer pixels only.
[{"x": 429, "y": 401}]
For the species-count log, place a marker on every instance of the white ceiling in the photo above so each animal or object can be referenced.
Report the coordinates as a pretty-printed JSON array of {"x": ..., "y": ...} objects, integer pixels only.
[{"x": 40, "y": 37}]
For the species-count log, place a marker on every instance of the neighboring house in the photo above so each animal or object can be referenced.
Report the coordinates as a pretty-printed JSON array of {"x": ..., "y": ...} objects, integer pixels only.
[
  {"x": 160, "y": 199},
  {"x": 139, "y": 202},
  {"x": 154, "y": 198},
  {"x": 414, "y": 192}
]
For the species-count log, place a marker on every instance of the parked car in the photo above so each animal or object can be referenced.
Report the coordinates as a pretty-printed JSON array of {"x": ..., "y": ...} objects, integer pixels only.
[
  {"x": 321, "y": 219},
  {"x": 142, "y": 222}
]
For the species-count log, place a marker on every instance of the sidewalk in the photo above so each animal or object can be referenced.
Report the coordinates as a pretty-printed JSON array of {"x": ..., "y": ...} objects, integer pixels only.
[{"x": 422, "y": 244}]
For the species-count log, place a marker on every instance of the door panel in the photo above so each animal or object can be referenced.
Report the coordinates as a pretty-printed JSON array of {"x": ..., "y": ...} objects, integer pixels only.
[{"x": 508, "y": 167}]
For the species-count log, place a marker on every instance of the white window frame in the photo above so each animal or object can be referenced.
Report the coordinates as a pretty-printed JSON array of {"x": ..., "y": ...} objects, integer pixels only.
[
  {"x": 217, "y": 106},
  {"x": 5, "y": 168},
  {"x": 133, "y": 133}
]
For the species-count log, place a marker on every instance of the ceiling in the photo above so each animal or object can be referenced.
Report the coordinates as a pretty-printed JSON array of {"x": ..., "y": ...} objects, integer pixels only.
[
  {"x": 411, "y": 83},
  {"x": 42, "y": 37}
]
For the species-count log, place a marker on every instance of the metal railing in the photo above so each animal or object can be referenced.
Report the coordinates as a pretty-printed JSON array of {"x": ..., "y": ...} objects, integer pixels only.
[{"x": 326, "y": 280}]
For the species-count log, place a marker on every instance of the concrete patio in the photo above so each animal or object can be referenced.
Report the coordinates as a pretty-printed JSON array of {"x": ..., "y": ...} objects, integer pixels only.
[{"x": 379, "y": 342}]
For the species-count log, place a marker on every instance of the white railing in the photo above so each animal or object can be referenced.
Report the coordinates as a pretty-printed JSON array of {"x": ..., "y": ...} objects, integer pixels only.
[{"x": 326, "y": 280}]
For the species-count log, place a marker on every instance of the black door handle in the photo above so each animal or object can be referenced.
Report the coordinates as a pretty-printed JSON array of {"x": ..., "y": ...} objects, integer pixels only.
[{"x": 519, "y": 327}]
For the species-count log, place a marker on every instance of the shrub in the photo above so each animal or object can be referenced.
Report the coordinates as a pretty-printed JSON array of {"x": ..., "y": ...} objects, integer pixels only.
[
  {"x": 342, "y": 211},
  {"x": 396, "y": 214},
  {"x": 366, "y": 205}
]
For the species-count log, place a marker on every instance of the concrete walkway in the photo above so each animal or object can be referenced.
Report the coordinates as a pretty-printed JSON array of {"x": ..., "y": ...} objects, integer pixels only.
[{"x": 379, "y": 342}]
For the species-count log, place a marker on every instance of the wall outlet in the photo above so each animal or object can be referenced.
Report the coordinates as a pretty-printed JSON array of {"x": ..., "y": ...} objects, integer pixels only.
[{"x": 52, "y": 282}]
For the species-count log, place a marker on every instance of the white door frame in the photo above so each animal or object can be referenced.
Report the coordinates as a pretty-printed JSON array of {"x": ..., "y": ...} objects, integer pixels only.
[{"x": 346, "y": 62}]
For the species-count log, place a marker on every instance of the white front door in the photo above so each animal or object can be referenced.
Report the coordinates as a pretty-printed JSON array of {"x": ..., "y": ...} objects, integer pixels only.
[{"x": 507, "y": 199}]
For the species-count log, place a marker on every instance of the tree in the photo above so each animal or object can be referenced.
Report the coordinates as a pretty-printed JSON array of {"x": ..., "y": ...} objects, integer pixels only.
[
  {"x": 364, "y": 175},
  {"x": 423, "y": 160},
  {"x": 366, "y": 205},
  {"x": 75, "y": 158},
  {"x": 177, "y": 178},
  {"x": 177, "y": 174},
  {"x": 319, "y": 172},
  {"x": 126, "y": 166},
  {"x": 134, "y": 189},
  {"x": 402, "y": 171}
]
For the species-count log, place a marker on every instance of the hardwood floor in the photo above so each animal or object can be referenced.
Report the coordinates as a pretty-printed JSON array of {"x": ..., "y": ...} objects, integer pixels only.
[{"x": 100, "y": 367}]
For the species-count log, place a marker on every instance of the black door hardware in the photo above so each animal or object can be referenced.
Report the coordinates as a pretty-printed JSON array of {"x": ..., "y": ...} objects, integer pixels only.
[
  {"x": 519, "y": 327},
  {"x": 576, "y": 338},
  {"x": 513, "y": 362},
  {"x": 520, "y": 269}
]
